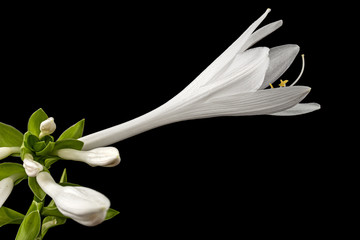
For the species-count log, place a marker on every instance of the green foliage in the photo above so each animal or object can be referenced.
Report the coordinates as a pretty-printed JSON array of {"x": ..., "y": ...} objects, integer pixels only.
[
  {"x": 73, "y": 132},
  {"x": 111, "y": 213},
  {"x": 35, "y": 120},
  {"x": 50, "y": 222},
  {"x": 9, "y": 216},
  {"x": 30, "y": 226},
  {"x": 10, "y": 136},
  {"x": 8, "y": 169},
  {"x": 36, "y": 189}
]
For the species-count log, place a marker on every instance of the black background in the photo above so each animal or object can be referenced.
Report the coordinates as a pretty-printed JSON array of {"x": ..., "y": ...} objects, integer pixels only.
[{"x": 235, "y": 176}]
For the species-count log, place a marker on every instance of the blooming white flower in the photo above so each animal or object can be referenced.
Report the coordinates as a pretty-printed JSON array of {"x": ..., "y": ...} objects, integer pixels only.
[
  {"x": 6, "y": 186},
  {"x": 32, "y": 168},
  {"x": 233, "y": 85},
  {"x": 105, "y": 156},
  {"x": 7, "y": 151},
  {"x": 47, "y": 127},
  {"x": 84, "y": 205}
]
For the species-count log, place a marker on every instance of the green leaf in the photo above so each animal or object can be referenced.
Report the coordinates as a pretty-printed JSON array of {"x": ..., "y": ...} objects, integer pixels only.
[
  {"x": 7, "y": 169},
  {"x": 50, "y": 222},
  {"x": 36, "y": 189},
  {"x": 52, "y": 211},
  {"x": 30, "y": 141},
  {"x": 50, "y": 161},
  {"x": 68, "y": 143},
  {"x": 30, "y": 226},
  {"x": 111, "y": 213},
  {"x": 38, "y": 146},
  {"x": 23, "y": 151},
  {"x": 63, "y": 176},
  {"x": 74, "y": 132},
  {"x": 35, "y": 120},
  {"x": 47, "y": 150},
  {"x": 9, "y": 216},
  {"x": 10, "y": 136}
]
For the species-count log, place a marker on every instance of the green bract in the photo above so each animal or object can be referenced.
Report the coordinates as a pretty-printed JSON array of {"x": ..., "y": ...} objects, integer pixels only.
[{"x": 39, "y": 148}]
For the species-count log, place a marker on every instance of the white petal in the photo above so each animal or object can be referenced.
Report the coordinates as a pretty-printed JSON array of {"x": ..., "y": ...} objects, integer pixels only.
[
  {"x": 252, "y": 103},
  {"x": 32, "y": 168},
  {"x": 217, "y": 66},
  {"x": 261, "y": 33},
  {"x": 6, "y": 186},
  {"x": 7, "y": 151},
  {"x": 84, "y": 205},
  {"x": 298, "y": 109},
  {"x": 281, "y": 57},
  {"x": 105, "y": 157},
  {"x": 245, "y": 74},
  {"x": 47, "y": 127}
]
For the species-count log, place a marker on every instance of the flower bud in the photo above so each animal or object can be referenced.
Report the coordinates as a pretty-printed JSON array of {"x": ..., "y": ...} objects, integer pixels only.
[
  {"x": 7, "y": 151},
  {"x": 104, "y": 156},
  {"x": 6, "y": 186},
  {"x": 32, "y": 168},
  {"x": 47, "y": 127},
  {"x": 84, "y": 205}
]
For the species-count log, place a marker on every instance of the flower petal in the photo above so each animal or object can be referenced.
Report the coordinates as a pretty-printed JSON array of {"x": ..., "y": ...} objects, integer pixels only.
[
  {"x": 281, "y": 57},
  {"x": 6, "y": 186},
  {"x": 300, "y": 108},
  {"x": 245, "y": 74},
  {"x": 105, "y": 156},
  {"x": 251, "y": 103},
  {"x": 217, "y": 66},
  {"x": 261, "y": 33},
  {"x": 84, "y": 205}
]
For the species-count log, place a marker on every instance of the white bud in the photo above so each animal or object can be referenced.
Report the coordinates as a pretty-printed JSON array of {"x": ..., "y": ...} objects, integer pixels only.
[
  {"x": 104, "y": 156},
  {"x": 84, "y": 205},
  {"x": 7, "y": 151},
  {"x": 47, "y": 127},
  {"x": 32, "y": 168},
  {"x": 6, "y": 186}
]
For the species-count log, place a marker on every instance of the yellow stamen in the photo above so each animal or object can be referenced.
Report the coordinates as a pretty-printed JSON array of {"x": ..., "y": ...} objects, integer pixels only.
[
  {"x": 283, "y": 83},
  {"x": 271, "y": 85}
]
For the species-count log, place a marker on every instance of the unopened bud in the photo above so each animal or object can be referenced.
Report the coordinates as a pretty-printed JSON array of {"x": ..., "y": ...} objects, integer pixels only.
[
  {"x": 32, "y": 168},
  {"x": 104, "y": 156},
  {"x": 47, "y": 127}
]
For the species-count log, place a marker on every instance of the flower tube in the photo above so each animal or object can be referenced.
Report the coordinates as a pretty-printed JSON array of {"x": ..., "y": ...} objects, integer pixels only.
[
  {"x": 84, "y": 205},
  {"x": 7, "y": 151}
]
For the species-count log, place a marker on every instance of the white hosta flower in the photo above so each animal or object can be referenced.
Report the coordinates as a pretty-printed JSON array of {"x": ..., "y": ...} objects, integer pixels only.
[
  {"x": 6, "y": 186},
  {"x": 47, "y": 127},
  {"x": 32, "y": 168},
  {"x": 84, "y": 205},
  {"x": 104, "y": 157},
  {"x": 233, "y": 85},
  {"x": 7, "y": 151}
]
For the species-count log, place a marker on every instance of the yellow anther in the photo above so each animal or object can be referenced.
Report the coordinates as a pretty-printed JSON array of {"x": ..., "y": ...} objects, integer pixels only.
[
  {"x": 283, "y": 83},
  {"x": 271, "y": 85}
]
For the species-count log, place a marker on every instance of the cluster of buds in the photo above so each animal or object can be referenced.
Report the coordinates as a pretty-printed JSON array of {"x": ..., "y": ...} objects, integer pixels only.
[{"x": 38, "y": 151}]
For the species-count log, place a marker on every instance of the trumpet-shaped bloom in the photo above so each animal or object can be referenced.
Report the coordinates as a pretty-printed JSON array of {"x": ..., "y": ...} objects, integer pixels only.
[
  {"x": 32, "y": 168},
  {"x": 105, "y": 156},
  {"x": 233, "y": 85},
  {"x": 6, "y": 186},
  {"x": 7, "y": 151},
  {"x": 84, "y": 205}
]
